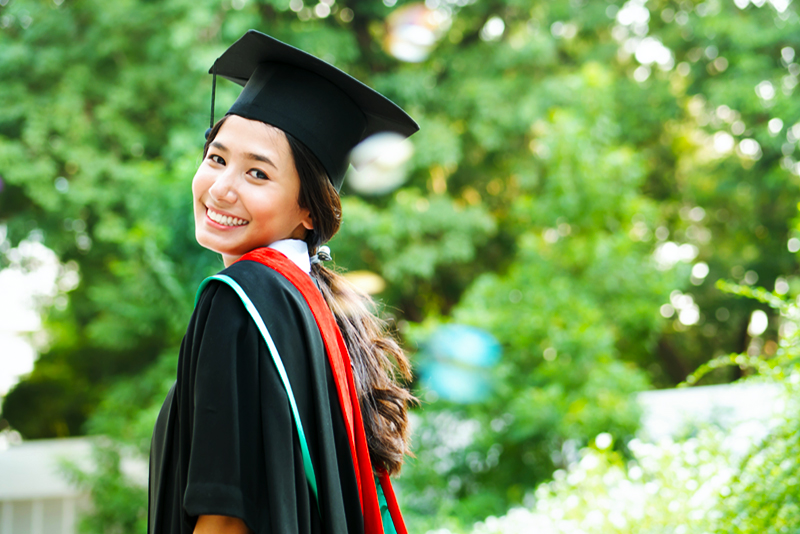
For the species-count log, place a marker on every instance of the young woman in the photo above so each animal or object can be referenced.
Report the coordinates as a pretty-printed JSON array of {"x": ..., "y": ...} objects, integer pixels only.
[{"x": 286, "y": 415}]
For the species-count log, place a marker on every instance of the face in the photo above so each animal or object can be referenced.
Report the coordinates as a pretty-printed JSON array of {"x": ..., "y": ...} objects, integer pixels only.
[{"x": 246, "y": 190}]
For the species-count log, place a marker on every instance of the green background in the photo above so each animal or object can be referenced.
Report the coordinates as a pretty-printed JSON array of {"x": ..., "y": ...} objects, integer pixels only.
[{"x": 551, "y": 171}]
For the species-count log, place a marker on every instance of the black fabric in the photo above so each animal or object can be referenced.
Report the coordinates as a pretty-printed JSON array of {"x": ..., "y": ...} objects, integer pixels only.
[
  {"x": 225, "y": 441},
  {"x": 310, "y": 108},
  {"x": 325, "y": 108}
]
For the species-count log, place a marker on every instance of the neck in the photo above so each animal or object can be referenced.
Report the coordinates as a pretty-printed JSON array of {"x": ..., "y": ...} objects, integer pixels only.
[{"x": 294, "y": 249}]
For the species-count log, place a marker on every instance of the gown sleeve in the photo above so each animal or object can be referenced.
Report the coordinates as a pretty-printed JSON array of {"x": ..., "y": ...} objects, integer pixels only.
[{"x": 221, "y": 396}]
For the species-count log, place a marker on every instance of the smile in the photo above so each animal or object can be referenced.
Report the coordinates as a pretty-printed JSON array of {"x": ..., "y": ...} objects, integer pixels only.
[{"x": 224, "y": 219}]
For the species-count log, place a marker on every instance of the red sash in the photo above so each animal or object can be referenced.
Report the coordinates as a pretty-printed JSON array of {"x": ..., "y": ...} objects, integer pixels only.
[{"x": 348, "y": 398}]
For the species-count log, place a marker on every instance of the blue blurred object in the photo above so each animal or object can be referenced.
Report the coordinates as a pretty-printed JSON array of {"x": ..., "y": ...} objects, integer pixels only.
[{"x": 455, "y": 361}]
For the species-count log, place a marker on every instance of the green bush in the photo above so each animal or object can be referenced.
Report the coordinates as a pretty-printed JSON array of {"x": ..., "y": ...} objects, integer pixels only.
[{"x": 694, "y": 486}]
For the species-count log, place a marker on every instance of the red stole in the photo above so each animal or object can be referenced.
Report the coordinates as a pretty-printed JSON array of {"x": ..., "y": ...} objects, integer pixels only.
[{"x": 348, "y": 398}]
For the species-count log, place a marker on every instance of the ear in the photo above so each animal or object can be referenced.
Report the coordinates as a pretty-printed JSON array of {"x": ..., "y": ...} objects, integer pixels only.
[
  {"x": 304, "y": 226},
  {"x": 306, "y": 221}
]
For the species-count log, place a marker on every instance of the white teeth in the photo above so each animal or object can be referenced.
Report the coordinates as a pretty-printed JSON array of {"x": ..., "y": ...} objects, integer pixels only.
[{"x": 224, "y": 219}]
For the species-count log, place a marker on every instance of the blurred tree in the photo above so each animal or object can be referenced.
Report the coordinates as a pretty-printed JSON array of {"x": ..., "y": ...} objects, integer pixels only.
[
  {"x": 733, "y": 188},
  {"x": 708, "y": 481},
  {"x": 582, "y": 166},
  {"x": 95, "y": 150}
]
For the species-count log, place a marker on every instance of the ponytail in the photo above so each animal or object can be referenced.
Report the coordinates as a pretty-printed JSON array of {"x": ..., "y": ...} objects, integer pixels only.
[{"x": 379, "y": 364}]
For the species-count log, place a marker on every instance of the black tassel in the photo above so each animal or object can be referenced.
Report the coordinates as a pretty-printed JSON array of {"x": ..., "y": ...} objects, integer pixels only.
[{"x": 213, "y": 96}]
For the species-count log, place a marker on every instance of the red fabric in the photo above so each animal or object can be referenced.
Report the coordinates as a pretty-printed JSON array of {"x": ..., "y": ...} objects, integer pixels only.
[
  {"x": 348, "y": 397},
  {"x": 391, "y": 500}
]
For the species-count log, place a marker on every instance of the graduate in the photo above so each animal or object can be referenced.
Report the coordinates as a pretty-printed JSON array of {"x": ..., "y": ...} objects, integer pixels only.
[{"x": 286, "y": 416}]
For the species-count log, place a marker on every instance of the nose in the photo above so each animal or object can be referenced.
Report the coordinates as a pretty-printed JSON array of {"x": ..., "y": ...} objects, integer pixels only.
[{"x": 223, "y": 189}]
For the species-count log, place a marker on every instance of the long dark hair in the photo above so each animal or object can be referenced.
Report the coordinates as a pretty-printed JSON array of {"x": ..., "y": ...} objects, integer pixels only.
[{"x": 379, "y": 364}]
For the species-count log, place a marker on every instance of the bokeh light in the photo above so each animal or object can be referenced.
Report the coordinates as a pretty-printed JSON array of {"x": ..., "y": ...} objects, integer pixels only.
[
  {"x": 493, "y": 29},
  {"x": 775, "y": 126},
  {"x": 749, "y": 149},
  {"x": 765, "y": 90},
  {"x": 781, "y": 286},
  {"x": 758, "y": 323},
  {"x": 603, "y": 441},
  {"x": 455, "y": 361},
  {"x": 367, "y": 281},
  {"x": 379, "y": 163},
  {"x": 723, "y": 142},
  {"x": 413, "y": 30},
  {"x": 699, "y": 272},
  {"x": 684, "y": 305},
  {"x": 650, "y": 50},
  {"x": 669, "y": 253}
]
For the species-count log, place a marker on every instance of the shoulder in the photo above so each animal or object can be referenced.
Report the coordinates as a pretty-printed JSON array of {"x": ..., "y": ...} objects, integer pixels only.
[
  {"x": 274, "y": 297},
  {"x": 225, "y": 323},
  {"x": 252, "y": 275}
]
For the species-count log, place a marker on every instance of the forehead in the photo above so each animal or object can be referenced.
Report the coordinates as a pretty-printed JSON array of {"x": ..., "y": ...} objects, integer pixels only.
[{"x": 254, "y": 137}]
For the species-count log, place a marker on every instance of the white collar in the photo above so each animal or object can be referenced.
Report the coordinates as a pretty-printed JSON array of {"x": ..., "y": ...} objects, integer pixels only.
[{"x": 296, "y": 250}]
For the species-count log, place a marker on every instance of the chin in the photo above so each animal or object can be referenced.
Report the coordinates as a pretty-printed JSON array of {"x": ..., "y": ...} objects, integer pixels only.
[{"x": 204, "y": 241}]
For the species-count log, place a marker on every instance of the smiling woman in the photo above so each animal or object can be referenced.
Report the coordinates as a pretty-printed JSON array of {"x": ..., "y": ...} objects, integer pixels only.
[
  {"x": 286, "y": 415},
  {"x": 246, "y": 191}
]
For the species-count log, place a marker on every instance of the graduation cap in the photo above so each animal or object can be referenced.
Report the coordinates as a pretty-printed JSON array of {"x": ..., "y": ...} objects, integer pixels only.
[{"x": 327, "y": 110}]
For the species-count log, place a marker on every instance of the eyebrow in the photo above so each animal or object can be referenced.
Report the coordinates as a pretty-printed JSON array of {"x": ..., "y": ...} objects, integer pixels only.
[{"x": 250, "y": 155}]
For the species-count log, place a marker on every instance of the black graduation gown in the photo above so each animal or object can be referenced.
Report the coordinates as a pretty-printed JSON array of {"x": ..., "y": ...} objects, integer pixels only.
[{"x": 225, "y": 442}]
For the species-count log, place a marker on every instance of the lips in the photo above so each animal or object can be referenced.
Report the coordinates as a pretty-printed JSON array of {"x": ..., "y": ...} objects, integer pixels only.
[{"x": 224, "y": 220}]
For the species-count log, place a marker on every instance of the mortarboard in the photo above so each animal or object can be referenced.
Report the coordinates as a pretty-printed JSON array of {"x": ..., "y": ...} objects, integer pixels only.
[{"x": 326, "y": 109}]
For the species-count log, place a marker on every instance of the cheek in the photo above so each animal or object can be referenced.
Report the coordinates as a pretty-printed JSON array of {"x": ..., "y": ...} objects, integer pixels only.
[{"x": 199, "y": 185}]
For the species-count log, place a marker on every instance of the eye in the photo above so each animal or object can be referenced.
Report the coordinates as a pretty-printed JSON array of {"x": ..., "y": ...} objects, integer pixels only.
[
  {"x": 255, "y": 173},
  {"x": 216, "y": 159}
]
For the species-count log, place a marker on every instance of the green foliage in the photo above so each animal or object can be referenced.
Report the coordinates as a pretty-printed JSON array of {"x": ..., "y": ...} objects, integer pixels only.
[
  {"x": 552, "y": 170},
  {"x": 106, "y": 189},
  {"x": 579, "y": 293},
  {"x": 765, "y": 492},
  {"x": 125, "y": 421},
  {"x": 782, "y": 366},
  {"x": 117, "y": 502},
  {"x": 664, "y": 487},
  {"x": 697, "y": 485},
  {"x": 414, "y": 242}
]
